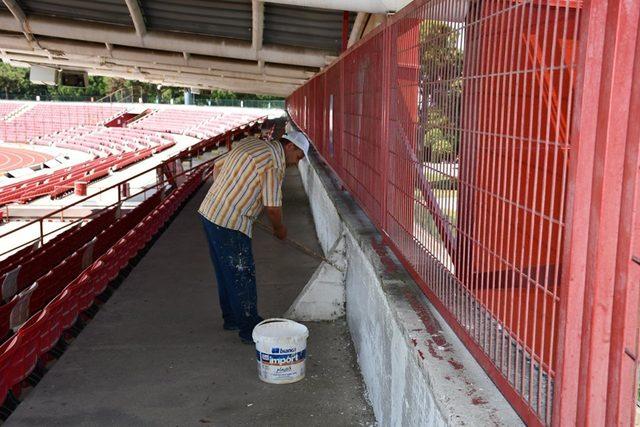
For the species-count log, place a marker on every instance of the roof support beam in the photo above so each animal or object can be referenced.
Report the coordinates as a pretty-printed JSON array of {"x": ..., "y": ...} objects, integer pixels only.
[
  {"x": 167, "y": 41},
  {"x": 257, "y": 24},
  {"x": 173, "y": 79},
  {"x": 358, "y": 26},
  {"x": 71, "y": 49},
  {"x": 20, "y": 16},
  {"x": 136, "y": 17},
  {"x": 371, "y": 6},
  {"x": 126, "y": 66}
]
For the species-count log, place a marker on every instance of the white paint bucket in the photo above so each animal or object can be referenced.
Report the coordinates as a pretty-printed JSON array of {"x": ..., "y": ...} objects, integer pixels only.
[{"x": 281, "y": 349}]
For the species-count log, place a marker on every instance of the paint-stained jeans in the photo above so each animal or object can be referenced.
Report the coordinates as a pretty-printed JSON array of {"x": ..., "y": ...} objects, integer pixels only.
[{"x": 232, "y": 259}]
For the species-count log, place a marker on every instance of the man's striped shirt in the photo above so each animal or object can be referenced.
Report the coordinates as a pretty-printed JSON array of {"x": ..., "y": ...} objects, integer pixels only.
[{"x": 250, "y": 177}]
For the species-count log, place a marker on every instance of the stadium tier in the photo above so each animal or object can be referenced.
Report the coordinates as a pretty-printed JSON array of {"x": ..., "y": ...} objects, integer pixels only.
[
  {"x": 197, "y": 124},
  {"x": 62, "y": 181},
  {"x": 113, "y": 148},
  {"x": 103, "y": 141},
  {"x": 173, "y": 120},
  {"x": 42, "y": 119}
]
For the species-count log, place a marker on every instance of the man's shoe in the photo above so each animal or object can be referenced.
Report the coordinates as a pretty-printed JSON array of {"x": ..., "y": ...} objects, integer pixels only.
[{"x": 230, "y": 326}]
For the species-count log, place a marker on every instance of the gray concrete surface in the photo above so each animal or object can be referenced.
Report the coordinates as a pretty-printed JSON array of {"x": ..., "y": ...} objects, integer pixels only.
[
  {"x": 156, "y": 353},
  {"x": 417, "y": 372}
]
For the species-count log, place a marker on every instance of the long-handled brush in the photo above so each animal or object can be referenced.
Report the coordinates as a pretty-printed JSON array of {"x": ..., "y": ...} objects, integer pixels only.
[{"x": 298, "y": 246}]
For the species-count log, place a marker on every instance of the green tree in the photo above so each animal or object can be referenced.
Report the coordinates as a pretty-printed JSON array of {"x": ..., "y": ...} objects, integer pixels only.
[
  {"x": 12, "y": 79},
  {"x": 440, "y": 90}
]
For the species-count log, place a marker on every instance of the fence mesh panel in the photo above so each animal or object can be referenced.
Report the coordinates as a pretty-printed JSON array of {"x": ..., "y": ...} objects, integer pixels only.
[{"x": 450, "y": 125}]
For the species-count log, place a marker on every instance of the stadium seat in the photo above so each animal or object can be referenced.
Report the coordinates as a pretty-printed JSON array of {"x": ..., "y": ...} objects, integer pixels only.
[
  {"x": 5, "y": 318},
  {"x": 20, "y": 312},
  {"x": 52, "y": 329},
  {"x": 8, "y": 372}
]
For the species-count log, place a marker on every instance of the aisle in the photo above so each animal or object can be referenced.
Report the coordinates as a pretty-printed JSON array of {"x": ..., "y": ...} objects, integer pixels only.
[{"x": 156, "y": 353}]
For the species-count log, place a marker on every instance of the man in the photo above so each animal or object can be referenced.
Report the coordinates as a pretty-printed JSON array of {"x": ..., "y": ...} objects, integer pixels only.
[{"x": 246, "y": 180}]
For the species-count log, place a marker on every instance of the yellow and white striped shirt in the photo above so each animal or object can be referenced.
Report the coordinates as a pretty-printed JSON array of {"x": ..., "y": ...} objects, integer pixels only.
[{"x": 250, "y": 178}]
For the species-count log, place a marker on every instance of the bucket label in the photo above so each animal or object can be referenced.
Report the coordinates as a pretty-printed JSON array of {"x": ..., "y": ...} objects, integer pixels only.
[
  {"x": 281, "y": 359},
  {"x": 277, "y": 350}
]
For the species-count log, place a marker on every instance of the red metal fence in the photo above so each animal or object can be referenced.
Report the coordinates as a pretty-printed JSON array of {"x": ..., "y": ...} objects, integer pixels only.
[{"x": 484, "y": 140}]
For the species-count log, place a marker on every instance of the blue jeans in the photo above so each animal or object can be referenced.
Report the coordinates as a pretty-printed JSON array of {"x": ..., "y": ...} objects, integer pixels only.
[{"x": 232, "y": 259}]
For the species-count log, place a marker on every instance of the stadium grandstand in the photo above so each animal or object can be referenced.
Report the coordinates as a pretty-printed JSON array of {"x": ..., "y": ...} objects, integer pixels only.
[{"x": 458, "y": 235}]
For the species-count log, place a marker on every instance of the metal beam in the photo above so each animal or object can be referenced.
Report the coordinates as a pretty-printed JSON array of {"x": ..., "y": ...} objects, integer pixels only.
[
  {"x": 20, "y": 16},
  {"x": 257, "y": 24},
  {"x": 166, "y": 41},
  {"x": 93, "y": 62},
  {"x": 358, "y": 26},
  {"x": 169, "y": 79},
  {"x": 244, "y": 83},
  {"x": 96, "y": 51},
  {"x": 370, "y": 6},
  {"x": 136, "y": 17},
  {"x": 16, "y": 10}
]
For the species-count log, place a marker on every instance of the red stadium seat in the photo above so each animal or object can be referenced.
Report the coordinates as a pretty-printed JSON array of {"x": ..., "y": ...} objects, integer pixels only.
[
  {"x": 29, "y": 345},
  {"x": 20, "y": 312},
  {"x": 5, "y": 317},
  {"x": 52, "y": 329},
  {"x": 8, "y": 373}
]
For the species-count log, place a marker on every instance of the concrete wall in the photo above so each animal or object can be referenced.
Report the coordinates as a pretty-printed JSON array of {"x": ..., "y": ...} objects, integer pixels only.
[{"x": 416, "y": 371}]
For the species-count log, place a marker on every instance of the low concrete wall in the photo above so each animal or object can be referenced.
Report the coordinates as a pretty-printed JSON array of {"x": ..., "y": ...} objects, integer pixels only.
[{"x": 416, "y": 370}]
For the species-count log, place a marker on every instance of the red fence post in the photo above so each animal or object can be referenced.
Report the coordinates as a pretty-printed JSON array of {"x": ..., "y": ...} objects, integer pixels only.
[
  {"x": 385, "y": 123},
  {"x": 598, "y": 341}
]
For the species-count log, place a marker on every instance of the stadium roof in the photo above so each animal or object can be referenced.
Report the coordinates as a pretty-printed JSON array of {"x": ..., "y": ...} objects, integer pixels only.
[{"x": 239, "y": 45}]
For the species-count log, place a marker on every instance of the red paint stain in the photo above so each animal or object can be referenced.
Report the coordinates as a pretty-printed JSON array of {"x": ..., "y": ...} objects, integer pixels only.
[
  {"x": 439, "y": 340},
  {"x": 414, "y": 341},
  {"x": 421, "y": 354},
  {"x": 432, "y": 350},
  {"x": 427, "y": 318},
  {"x": 447, "y": 377},
  {"x": 479, "y": 401},
  {"x": 386, "y": 260},
  {"x": 430, "y": 323},
  {"x": 456, "y": 365}
]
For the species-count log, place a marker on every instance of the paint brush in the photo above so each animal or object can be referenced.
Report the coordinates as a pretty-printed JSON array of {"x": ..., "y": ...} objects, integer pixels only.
[{"x": 298, "y": 246}]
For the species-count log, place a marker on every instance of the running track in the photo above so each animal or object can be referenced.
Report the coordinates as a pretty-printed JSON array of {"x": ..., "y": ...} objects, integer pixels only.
[{"x": 13, "y": 158}]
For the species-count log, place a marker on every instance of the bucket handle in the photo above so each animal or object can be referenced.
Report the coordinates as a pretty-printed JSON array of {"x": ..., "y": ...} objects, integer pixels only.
[{"x": 274, "y": 320}]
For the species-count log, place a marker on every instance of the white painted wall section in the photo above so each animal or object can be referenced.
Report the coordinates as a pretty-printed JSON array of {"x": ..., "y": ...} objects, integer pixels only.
[
  {"x": 323, "y": 297},
  {"x": 417, "y": 372}
]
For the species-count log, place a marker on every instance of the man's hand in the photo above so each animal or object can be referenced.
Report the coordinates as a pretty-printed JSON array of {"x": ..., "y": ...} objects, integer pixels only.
[{"x": 280, "y": 232}]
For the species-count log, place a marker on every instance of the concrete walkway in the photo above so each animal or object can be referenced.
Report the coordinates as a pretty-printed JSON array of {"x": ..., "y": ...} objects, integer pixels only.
[{"x": 156, "y": 353}]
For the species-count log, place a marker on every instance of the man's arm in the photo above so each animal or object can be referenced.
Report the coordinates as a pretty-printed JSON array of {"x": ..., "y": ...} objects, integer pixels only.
[
  {"x": 217, "y": 166},
  {"x": 275, "y": 217}
]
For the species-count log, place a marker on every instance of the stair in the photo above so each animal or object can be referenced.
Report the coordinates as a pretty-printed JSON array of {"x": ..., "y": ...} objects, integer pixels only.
[{"x": 19, "y": 112}]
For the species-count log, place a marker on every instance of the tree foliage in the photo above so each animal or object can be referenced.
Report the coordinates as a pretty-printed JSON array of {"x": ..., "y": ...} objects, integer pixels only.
[{"x": 440, "y": 90}]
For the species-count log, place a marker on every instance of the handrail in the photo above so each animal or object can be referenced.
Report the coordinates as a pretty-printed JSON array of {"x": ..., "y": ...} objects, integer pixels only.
[
  {"x": 118, "y": 185},
  {"x": 112, "y": 94}
]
